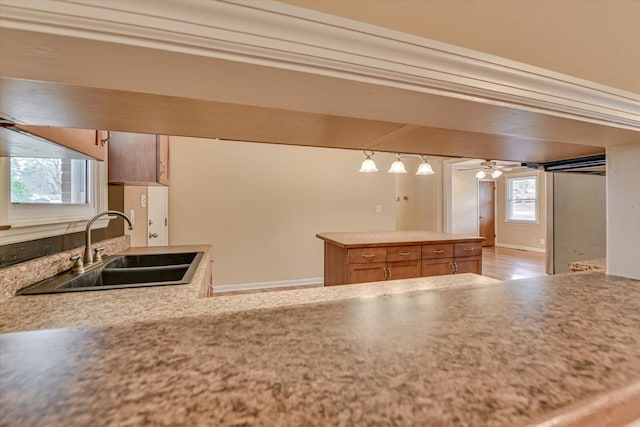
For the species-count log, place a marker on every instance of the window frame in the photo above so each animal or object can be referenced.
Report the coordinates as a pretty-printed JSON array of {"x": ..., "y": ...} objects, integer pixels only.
[
  {"x": 30, "y": 221},
  {"x": 508, "y": 200}
]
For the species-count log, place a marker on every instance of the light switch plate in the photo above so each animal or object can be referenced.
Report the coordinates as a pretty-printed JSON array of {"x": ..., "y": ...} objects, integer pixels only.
[{"x": 143, "y": 200}]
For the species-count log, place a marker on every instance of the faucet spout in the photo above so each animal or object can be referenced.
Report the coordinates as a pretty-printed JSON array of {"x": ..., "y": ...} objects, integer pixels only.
[{"x": 88, "y": 253}]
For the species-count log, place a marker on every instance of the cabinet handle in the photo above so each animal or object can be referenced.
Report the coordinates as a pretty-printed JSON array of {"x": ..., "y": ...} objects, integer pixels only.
[
  {"x": 367, "y": 255},
  {"x": 438, "y": 251},
  {"x": 404, "y": 253},
  {"x": 454, "y": 268},
  {"x": 468, "y": 249},
  {"x": 163, "y": 167},
  {"x": 387, "y": 273}
]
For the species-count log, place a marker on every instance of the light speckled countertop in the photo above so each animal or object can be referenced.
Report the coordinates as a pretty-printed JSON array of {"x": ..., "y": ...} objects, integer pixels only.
[
  {"x": 495, "y": 354},
  {"x": 347, "y": 238}
]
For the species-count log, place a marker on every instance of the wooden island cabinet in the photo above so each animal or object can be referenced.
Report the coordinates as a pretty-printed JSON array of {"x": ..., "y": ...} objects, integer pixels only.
[{"x": 388, "y": 255}]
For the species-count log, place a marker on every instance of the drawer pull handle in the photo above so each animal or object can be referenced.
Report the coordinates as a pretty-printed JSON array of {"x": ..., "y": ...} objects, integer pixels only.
[
  {"x": 469, "y": 249},
  {"x": 438, "y": 251},
  {"x": 404, "y": 253},
  {"x": 367, "y": 255}
]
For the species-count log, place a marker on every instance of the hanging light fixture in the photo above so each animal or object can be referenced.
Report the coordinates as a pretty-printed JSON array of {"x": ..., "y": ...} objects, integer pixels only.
[
  {"x": 424, "y": 168},
  {"x": 368, "y": 165},
  {"x": 397, "y": 166},
  {"x": 489, "y": 170}
]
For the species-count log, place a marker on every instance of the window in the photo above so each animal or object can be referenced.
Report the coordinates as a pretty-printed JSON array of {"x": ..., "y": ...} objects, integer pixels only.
[
  {"x": 62, "y": 181},
  {"x": 49, "y": 197},
  {"x": 522, "y": 199}
]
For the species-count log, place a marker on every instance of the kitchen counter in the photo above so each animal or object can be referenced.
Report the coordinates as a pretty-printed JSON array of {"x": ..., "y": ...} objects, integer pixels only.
[
  {"x": 388, "y": 238},
  {"x": 589, "y": 265},
  {"x": 493, "y": 354}
]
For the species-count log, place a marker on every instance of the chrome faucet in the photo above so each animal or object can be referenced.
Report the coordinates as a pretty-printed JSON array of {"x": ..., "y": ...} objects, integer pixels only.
[{"x": 88, "y": 253}]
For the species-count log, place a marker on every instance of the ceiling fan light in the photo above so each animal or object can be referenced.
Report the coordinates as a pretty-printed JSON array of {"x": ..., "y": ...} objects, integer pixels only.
[
  {"x": 481, "y": 174},
  {"x": 425, "y": 169},
  {"x": 397, "y": 166},
  {"x": 496, "y": 173}
]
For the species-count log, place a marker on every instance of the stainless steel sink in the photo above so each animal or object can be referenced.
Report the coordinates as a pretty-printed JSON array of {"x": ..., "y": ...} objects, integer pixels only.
[{"x": 124, "y": 271}]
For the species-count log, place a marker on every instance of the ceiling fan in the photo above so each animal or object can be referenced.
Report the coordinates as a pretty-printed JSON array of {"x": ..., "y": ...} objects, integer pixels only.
[{"x": 491, "y": 169}]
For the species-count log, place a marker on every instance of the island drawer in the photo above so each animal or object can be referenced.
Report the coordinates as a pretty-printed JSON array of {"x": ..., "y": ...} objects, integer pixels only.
[
  {"x": 367, "y": 255},
  {"x": 442, "y": 250},
  {"x": 403, "y": 253},
  {"x": 467, "y": 249}
]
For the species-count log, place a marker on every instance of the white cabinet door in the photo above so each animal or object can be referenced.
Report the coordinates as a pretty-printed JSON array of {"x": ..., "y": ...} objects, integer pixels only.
[{"x": 158, "y": 209}]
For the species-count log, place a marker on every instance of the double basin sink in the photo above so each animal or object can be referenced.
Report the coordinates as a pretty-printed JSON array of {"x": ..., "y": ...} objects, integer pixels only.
[{"x": 123, "y": 271}]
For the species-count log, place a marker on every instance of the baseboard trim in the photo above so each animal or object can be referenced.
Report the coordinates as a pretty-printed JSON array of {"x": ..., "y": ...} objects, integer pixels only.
[
  {"x": 265, "y": 285},
  {"x": 522, "y": 248}
]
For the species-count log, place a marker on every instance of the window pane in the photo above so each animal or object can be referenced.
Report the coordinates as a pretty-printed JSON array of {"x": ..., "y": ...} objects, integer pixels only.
[
  {"x": 49, "y": 180},
  {"x": 522, "y": 201}
]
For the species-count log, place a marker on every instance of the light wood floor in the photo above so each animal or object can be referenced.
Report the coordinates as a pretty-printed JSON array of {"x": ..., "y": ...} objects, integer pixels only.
[
  {"x": 507, "y": 264},
  {"x": 497, "y": 263}
]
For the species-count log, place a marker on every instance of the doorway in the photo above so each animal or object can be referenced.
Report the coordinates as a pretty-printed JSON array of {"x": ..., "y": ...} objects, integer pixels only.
[{"x": 487, "y": 212}]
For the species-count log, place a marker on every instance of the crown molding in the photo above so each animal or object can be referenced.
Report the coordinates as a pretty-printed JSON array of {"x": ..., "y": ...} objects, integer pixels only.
[{"x": 277, "y": 35}]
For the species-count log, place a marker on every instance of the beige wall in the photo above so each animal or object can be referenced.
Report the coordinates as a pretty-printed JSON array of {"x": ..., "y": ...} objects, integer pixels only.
[
  {"x": 464, "y": 202},
  {"x": 261, "y": 205},
  {"x": 623, "y": 211},
  {"x": 593, "y": 40},
  {"x": 132, "y": 195},
  {"x": 521, "y": 235},
  {"x": 422, "y": 208}
]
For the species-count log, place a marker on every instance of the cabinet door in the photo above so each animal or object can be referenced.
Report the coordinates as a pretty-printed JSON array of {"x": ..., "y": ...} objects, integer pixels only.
[
  {"x": 403, "y": 269},
  {"x": 361, "y": 273},
  {"x": 132, "y": 158},
  {"x": 437, "y": 267},
  {"x": 163, "y": 160},
  {"x": 84, "y": 141},
  {"x": 469, "y": 265}
]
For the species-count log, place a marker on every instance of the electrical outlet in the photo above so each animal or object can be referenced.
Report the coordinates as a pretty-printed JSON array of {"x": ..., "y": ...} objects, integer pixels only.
[
  {"x": 143, "y": 200},
  {"x": 542, "y": 241},
  {"x": 378, "y": 209}
]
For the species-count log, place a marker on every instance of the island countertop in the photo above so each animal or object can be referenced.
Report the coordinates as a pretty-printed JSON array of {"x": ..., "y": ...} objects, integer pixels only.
[
  {"x": 348, "y": 239},
  {"x": 499, "y": 354}
]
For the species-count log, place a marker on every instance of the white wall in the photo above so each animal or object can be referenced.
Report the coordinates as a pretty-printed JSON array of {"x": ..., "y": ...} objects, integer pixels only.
[
  {"x": 464, "y": 202},
  {"x": 623, "y": 210},
  {"x": 261, "y": 205}
]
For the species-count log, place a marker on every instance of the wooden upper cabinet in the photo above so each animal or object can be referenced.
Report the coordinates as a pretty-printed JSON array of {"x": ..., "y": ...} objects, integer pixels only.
[
  {"x": 138, "y": 159},
  {"x": 163, "y": 160},
  {"x": 85, "y": 141}
]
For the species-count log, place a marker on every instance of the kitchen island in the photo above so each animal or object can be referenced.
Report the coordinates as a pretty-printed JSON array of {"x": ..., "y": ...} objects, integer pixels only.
[
  {"x": 358, "y": 257},
  {"x": 415, "y": 352}
]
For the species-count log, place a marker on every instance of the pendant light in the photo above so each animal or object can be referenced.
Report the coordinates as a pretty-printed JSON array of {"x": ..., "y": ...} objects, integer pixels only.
[
  {"x": 397, "y": 166},
  {"x": 368, "y": 165},
  {"x": 424, "y": 168}
]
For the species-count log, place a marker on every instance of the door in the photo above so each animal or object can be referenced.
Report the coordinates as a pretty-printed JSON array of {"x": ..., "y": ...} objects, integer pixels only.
[
  {"x": 437, "y": 267},
  {"x": 403, "y": 269},
  {"x": 469, "y": 265},
  {"x": 158, "y": 221},
  {"x": 362, "y": 273},
  {"x": 486, "y": 212}
]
